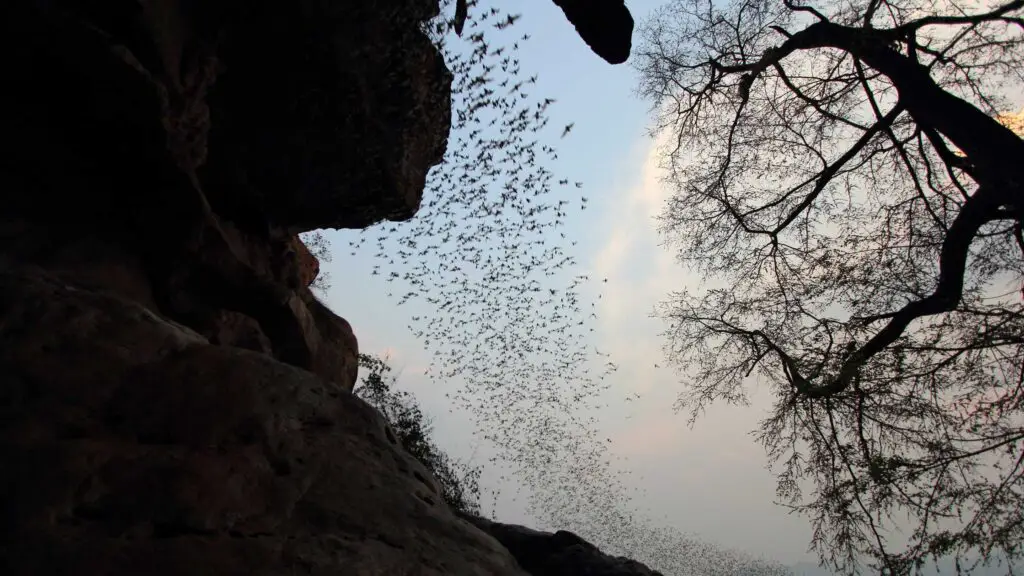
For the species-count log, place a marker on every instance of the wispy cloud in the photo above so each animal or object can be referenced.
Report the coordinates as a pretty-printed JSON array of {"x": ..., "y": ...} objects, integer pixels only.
[
  {"x": 640, "y": 272},
  {"x": 708, "y": 479}
]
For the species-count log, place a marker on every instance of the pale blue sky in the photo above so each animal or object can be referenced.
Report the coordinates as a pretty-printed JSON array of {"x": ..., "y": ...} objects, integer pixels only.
[{"x": 710, "y": 480}]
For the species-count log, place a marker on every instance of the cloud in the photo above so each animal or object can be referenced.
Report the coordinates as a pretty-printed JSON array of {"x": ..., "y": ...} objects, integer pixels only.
[
  {"x": 640, "y": 271},
  {"x": 630, "y": 218},
  {"x": 709, "y": 479}
]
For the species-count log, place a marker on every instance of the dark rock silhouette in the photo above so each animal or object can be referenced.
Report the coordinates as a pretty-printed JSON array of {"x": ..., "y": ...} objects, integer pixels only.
[
  {"x": 605, "y": 25},
  {"x": 173, "y": 398},
  {"x": 560, "y": 554},
  {"x": 131, "y": 445}
]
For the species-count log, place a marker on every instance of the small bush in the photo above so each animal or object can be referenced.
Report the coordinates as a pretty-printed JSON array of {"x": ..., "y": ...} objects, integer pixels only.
[{"x": 459, "y": 482}]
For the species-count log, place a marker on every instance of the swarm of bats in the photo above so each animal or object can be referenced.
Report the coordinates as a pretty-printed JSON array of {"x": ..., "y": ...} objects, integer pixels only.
[{"x": 500, "y": 304}]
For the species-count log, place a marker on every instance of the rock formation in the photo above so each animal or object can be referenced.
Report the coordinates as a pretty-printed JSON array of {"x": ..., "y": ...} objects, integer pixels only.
[
  {"x": 133, "y": 446},
  {"x": 560, "y": 554},
  {"x": 173, "y": 398},
  {"x": 605, "y": 25}
]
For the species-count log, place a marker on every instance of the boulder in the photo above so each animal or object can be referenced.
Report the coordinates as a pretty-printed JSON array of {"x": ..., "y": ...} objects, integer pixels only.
[{"x": 559, "y": 554}]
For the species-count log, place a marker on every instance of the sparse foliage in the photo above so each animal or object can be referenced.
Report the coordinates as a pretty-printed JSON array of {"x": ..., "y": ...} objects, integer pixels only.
[
  {"x": 842, "y": 178},
  {"x": 459, "y": 481},
  {"x": 320, "y": 247}
]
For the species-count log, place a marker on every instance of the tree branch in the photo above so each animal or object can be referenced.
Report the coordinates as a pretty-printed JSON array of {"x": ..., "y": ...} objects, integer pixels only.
[
  {"x": 993, "y": 149},
  {"x": 800, "y": 8},
  {"x": 977, "y": 211},
  {"x": 996, "y": 14},
  {"x": 826, "y": 175}
]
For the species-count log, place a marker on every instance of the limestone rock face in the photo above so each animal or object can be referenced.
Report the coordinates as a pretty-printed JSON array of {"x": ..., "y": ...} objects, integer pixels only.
[
  {"x": 196, "y": 139},
  {"x": 173, "y": 399},
  {"x": 298, "y": 113},
  {"x": 147, "y": 450},
  {"x": 560, "y": 554},
  {"x": 227, "y": 328},
  {"x": 360, "y": 101}
]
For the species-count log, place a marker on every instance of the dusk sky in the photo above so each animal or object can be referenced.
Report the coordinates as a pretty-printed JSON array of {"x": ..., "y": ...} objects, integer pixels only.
[{"x": 710, "y": 480}]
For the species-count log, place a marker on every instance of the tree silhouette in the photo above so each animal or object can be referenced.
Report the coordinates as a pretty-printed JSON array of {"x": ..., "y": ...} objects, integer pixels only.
[{"x": 842, "y": 175}]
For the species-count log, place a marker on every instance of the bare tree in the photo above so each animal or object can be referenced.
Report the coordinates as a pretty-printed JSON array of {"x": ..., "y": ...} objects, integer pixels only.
[{"x": 843, "y": 178}]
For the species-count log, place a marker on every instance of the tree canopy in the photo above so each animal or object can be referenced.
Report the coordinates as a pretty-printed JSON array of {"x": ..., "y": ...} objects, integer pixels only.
[{"x": 847, "y": 185}]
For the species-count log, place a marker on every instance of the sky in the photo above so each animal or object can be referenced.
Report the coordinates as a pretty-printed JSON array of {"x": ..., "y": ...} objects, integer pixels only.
[{"x": 709, "y": 480}]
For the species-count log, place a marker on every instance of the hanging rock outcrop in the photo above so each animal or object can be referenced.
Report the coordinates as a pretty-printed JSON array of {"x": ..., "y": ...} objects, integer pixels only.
[
  {"x": 173, "y": 398},
  {"x": 199, "y": 138}
]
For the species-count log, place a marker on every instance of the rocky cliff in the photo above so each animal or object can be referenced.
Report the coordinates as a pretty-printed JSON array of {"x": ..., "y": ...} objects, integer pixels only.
[{"x": 173, "y": 398}]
